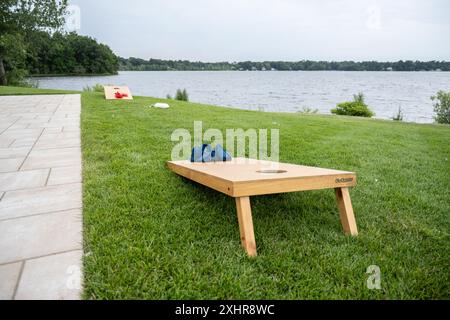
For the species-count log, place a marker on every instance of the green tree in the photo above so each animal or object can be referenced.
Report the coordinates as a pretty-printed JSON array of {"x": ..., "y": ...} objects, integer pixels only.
[
  {"x": 62, "y": 53},
  {"x": 442, "y": 107},
  {"x": 13, "y": 51},
  {"x": 17, "y": 18},
  {"x": 92, "y": 57}
]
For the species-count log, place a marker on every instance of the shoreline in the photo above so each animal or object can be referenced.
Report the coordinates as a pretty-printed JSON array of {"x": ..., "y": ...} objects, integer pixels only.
[
  {"x": 72, "y": 75},
  {"x": 379, "y": 71},
  {"x": 115, "y": 74}
]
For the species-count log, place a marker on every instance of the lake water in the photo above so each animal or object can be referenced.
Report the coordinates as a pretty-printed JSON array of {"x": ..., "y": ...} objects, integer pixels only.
[{"x": 284, "y": 91}]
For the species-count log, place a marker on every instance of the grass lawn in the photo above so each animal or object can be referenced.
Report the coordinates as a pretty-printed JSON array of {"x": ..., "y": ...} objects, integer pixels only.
[
  {"x": 6, "y": 91},
  {"x": 150, "y": 234}
]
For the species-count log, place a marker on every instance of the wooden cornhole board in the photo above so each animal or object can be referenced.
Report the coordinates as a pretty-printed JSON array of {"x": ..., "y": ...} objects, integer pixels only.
[
  {"x": 242, "y": 178},
  {"x": 110, "y": 92}
]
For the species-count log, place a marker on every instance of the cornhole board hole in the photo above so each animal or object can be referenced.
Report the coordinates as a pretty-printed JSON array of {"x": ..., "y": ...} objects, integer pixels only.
[
  {"x": 242, "y": 178},
  {"x": 110, "y": 93}
]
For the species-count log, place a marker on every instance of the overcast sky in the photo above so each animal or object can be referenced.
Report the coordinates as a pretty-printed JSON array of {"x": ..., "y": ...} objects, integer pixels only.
[{"x": 237, "y": 30}]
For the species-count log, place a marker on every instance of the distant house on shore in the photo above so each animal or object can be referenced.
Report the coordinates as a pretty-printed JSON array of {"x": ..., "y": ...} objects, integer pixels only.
[{"x": 389, "y": 69}]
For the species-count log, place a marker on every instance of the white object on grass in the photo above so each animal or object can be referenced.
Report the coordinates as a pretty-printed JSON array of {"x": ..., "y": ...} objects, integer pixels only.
[{"x": 160, "y": 105}]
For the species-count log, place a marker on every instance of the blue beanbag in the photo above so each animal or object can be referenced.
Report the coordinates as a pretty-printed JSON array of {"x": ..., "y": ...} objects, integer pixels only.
[
  {"x": 206, "y": 153},
  {"x": 220, "y": 154}
]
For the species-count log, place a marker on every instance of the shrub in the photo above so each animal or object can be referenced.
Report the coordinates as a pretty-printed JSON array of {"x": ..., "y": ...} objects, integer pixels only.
[
  {"x": 26, "y": 83},
  {"x": 357, "y": 107},
  {"x": 308, "y": 110},
  {"x": 96, "y": 88},
  {"x": 442, "y": 106},
  {"x": 182, "y": 95},
  {"x": 359, "y": 98},
  {"x": 16, "y": 77},
  {"x": 399, "y": 115}
]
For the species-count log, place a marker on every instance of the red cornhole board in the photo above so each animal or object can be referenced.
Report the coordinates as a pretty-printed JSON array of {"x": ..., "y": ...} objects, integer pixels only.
[{"x": 117, "y": 93}]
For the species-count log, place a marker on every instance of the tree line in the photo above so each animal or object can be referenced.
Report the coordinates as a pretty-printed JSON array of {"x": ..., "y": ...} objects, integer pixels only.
[
  {"x": 32, "y": 43},
  {"x": 69, "y": 54},
  {"x": 137, "y": 64}
]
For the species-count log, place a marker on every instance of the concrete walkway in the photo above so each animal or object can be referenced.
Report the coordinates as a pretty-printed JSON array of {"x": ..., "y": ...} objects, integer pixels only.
[{"x": 40, "y": 197}]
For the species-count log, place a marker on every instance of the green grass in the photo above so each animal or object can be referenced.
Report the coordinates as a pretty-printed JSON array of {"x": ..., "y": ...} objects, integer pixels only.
[
  {"x": 6, "y": 91},
  {"x": 149, "y": 234}
]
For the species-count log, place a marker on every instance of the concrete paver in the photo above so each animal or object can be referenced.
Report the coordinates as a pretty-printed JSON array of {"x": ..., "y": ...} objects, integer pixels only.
[
  {"x": 39, "y": 235},
  {"x": 54, "y": 277},
  {"x": 9, "y": 276},
  {"x": 40, "y": 197},
  {"x": 10, "y": 181}
]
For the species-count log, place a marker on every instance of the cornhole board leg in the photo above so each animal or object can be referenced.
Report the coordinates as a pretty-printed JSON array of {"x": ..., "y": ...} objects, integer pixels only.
[
  {"x": 346, "y": 211},
  {"x": 244, "y": 213}
]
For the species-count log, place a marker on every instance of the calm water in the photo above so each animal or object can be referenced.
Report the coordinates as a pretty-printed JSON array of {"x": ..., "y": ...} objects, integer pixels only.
[{"x": 283, "y": 91}]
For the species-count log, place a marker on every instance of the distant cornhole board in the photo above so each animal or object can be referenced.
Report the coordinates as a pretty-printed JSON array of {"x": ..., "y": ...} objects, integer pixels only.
[
  {"x": 242, "y": 178},
  {"x": 117, "y": 93}
]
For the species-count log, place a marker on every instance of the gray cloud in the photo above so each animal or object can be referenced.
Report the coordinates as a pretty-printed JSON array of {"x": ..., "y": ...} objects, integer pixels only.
[{"x": 235, "y": 30}]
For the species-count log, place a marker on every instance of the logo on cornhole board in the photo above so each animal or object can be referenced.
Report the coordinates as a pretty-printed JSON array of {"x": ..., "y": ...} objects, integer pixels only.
[{"x": 117, "y": 93}]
